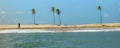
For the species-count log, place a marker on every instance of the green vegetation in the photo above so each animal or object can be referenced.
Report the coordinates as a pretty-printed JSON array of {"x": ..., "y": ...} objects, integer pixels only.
[
  {"x": 58, "y": 13},
  {"x": 99, "y": 9},
  {"x": 33, "y": 13},
  {"x": 53, "y": 11}
]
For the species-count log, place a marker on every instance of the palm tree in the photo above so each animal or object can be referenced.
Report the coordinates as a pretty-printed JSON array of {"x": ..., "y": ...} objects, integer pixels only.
[
  {"x": 33, "y": 13},
  {"x": 53, "y": 11},
  {"x": 99, "y": 9},
  {"x": 58, "y": 13}
]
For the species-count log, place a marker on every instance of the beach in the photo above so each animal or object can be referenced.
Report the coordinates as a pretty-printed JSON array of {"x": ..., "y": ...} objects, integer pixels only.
[{"x": 61, "y": 28}]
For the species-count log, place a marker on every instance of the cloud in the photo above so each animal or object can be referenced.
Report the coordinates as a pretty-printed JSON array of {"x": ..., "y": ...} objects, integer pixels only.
[
  {"x": 105, "y": 15},
  {"x": 99, "y": 1},
  {"x": 29, "y": 12},
  {"x": 119, "y": 9},
  {"x": 19, "y": 12},
  {"x": 119, "y": 4},
  {"x": 3, "y": 12},
  {"x": 17, "y": 19}
]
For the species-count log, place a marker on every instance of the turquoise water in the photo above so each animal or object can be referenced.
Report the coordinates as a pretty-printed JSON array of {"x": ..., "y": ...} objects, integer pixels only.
[{"x": 61, "y": 40}]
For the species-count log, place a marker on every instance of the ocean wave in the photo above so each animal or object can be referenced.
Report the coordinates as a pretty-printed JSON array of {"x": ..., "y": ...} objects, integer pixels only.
[
  {"x": 47, "y": 31},
  {"x": 24, "y": 31},
  {"x": 97, "y": 30}
]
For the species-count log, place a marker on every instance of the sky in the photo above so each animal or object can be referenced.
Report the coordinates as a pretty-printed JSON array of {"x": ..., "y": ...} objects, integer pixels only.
[{"x": 73, "y": 12}]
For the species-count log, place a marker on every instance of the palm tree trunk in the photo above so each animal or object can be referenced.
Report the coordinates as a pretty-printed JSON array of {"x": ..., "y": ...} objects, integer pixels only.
[
  {"x": 59, "y": 20},
  {"x": 54, "y": 18},
  {"x": 100, "y": 17},
  {"x": 34, "y": 19}
]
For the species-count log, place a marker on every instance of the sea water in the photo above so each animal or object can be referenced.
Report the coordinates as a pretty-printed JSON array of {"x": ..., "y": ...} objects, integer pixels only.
[{"x": 102, "y": 39}]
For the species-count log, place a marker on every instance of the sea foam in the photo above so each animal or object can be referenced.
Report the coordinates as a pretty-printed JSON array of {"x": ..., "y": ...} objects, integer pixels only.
[
  {"x": 24, "y": 31},
  {"x": 97, "y": 30},
  {"x": 47, "y": 31}
]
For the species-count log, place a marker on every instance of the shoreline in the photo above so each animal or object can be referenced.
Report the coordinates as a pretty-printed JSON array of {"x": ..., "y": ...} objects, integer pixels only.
[{"x": 61, "y": 28}]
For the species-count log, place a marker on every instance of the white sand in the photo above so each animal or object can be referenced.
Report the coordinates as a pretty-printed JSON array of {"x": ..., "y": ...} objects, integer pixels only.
[{"x": 55, "y": 28}]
